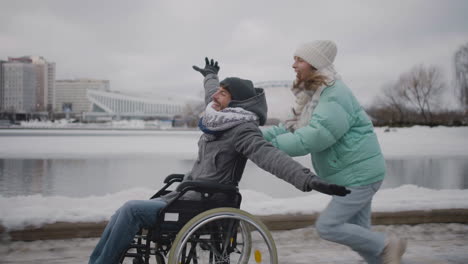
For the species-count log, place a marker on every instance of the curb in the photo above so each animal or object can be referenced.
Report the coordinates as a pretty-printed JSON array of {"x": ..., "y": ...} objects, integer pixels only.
[
  {"x": 67, "y": 230},
  {"x": 415, "y": 217}
]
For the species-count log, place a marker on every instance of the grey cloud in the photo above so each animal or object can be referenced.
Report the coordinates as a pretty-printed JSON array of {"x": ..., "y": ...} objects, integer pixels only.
[{"x": 151, "y": 45}]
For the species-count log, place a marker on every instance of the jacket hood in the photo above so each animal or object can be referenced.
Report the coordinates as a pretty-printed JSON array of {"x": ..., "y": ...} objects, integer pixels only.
[{"x": 256, "y": 104}]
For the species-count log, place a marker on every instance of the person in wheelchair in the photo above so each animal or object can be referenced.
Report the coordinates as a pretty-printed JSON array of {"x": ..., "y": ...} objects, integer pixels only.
[{"x": 230, "y": 124}]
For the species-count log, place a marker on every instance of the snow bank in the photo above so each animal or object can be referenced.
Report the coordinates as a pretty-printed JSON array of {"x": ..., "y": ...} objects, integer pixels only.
[
  {"x": 53, "y": 143},
  {"x": 36, "y": 210},
  {"x": 423, "y": 141},
  {"x": 416, "y": 141},
  {"x": 64, "y": 123}
]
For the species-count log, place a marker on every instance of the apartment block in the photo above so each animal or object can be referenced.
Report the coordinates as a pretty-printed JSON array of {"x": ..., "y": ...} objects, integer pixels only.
[{"x": 70, "y": 95}]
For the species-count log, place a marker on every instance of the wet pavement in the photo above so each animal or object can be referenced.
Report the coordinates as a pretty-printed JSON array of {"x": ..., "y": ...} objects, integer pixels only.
[{"x": 427, "y": 244}]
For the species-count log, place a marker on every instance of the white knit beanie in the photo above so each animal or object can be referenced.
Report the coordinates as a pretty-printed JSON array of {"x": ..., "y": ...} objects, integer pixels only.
[{"x": 319, "y": 53}]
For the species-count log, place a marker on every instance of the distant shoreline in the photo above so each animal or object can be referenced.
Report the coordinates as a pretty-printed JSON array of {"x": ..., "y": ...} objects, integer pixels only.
[{"x": 98, "y": 128}]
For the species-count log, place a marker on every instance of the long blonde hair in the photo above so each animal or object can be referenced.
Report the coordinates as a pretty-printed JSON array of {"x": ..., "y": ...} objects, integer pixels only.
[{"x": 313, "y": 81}]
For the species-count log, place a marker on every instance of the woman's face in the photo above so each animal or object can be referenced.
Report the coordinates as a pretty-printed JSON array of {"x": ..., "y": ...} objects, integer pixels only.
[{"x": 302, "y": 68}]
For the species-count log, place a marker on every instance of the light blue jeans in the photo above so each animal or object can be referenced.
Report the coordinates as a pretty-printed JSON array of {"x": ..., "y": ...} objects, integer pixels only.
[
  {"x": 347, "y": 221},
  {"x": 122, "y": 228}
]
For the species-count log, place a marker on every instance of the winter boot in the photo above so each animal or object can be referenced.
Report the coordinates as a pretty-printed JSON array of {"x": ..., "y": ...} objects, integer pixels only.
[{"x": 394, "y": 250}]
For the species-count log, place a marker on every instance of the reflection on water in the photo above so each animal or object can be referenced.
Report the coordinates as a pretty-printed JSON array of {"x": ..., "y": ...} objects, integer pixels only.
[
  {"x": 85, "y": 177},
  {"x": 440, "y": 173},
  {"x": 24, "y": 177}
]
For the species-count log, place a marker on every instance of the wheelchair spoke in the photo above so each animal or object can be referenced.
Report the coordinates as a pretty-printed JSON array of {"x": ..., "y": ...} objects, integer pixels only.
[{"x": 222, "y": 236}]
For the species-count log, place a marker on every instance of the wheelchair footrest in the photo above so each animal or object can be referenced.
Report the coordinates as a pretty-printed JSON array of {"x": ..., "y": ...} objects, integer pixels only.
[
  {"x": 132, "y": 255},
  {"x": 137, "y": 246}
]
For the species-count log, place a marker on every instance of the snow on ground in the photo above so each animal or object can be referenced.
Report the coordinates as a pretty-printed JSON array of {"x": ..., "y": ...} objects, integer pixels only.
[
  {"x": 20, "y": 211},
  {"x": 423, "y": 141},
  {"x": 427, "y": 244},
  {"x": 25, "y": 143},
  {"x": 115, "y": 124},
  {"x": 36, "y": 210}
]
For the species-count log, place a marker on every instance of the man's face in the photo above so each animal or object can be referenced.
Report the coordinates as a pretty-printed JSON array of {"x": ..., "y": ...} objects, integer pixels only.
[
  {"x": 221, "y": 99},
  {"x": 302, "y": 68}
]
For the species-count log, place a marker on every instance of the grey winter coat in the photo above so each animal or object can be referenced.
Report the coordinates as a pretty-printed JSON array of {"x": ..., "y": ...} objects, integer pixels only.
[{"x": 223, "y": 159}]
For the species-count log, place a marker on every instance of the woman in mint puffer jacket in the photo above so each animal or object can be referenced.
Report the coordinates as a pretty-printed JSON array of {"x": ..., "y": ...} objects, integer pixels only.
[{"x": 328, "y": 123}]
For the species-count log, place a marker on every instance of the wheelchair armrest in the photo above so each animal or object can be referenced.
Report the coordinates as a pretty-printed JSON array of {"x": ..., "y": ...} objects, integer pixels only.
[
  {"x": 174, "y": 178},
  {"x": 170, "y": 179},
  {"x": 206, "y": 187}
]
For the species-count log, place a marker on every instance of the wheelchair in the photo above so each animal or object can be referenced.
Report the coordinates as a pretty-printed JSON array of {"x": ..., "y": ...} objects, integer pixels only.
[{"x": 210, "y": 230}]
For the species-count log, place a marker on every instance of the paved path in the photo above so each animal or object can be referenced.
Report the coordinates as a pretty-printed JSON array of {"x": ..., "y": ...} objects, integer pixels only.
[{"x": 427, "y": 244}]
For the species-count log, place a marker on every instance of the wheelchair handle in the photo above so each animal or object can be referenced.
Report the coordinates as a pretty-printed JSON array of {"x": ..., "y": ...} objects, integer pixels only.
[{"x": 174, "y": 178}]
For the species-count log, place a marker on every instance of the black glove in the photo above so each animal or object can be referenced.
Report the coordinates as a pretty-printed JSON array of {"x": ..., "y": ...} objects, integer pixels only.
[
  {"x": 338, "y": 190},
  {"x": 210, "y": 67},
  {"x": 332, "y": 189}
]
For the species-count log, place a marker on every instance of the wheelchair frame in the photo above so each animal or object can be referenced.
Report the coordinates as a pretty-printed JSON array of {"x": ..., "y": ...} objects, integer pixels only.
[{"x": 185, "y": 225}]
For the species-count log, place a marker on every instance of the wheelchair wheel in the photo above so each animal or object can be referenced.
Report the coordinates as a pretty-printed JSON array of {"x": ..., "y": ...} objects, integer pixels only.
[{"x": 223, "y": 235}]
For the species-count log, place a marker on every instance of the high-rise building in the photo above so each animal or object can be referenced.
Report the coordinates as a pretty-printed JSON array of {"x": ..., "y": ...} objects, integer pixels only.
[
  {"x": 51, "y": 86},
  {"x": 1, "y": 85},
  {"x": 18, "y": 87},
  {"x": 45, "y": 80},
  {"x": 70, "y": 95}
]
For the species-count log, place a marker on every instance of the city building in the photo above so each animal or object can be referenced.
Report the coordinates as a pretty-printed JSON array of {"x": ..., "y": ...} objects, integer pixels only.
[
  {"x": 92, "y": 100},
  {"x": 1, "y": 85},
  {"x": 28, "y": 87},
  {"x": 71, "y": 95},
  {"x": 51, "y": 86},
  {"x": 18, "y": 87},
  {"x": 44, "y": 82},
  {"x": 113, "y": 105}
]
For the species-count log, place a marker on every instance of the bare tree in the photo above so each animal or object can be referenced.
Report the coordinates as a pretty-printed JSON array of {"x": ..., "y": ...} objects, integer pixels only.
[
  {"x": 422, "y": 87},
  {"x": 192, "y": 111},
  {"x": 393, "y": 98},
  {"x": 461, "y": 75}
]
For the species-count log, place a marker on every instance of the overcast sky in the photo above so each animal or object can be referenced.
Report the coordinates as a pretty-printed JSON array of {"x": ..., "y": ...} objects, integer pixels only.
[{"x": 143, "y": 46}]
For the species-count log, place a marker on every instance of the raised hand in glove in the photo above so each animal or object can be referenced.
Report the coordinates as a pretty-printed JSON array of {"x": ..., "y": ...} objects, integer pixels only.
[
  {"x": 211, "y": 66},
  {"x": 314, "y": 183}
]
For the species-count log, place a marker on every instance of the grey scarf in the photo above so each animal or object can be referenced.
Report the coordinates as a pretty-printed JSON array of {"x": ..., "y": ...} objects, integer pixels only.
[{"x": 215, "y": 122}]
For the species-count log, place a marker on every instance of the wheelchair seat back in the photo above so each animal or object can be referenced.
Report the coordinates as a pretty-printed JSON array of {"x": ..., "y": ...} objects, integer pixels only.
[{"x": 179, "y": 212}]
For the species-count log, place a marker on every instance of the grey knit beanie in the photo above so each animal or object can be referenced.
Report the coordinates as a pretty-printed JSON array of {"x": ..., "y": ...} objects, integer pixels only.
[
  {"x": 239, "y": 89},
  {"x": 319, "y": 53}
]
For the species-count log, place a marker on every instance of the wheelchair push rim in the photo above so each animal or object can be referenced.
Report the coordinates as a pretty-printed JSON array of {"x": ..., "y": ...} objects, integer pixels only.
[{"x": 248, "y": 224}]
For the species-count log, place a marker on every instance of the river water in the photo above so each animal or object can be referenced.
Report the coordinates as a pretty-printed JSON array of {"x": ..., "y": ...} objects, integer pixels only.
[
  {"x": 85, "y": 177},
  {"x": 88, "y": 175}
]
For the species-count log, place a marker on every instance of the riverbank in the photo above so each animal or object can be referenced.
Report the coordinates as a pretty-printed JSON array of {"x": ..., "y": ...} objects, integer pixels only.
[
  {"x": 20, "y": 212},
  {"x": 69, "y": 230}
]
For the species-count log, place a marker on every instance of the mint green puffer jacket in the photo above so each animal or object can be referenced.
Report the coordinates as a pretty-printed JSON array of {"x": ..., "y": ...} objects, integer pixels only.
[{"x": 340, "y": 138}]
